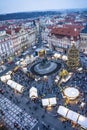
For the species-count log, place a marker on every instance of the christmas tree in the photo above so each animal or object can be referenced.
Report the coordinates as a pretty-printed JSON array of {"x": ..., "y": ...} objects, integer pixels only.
[{"x": 73, "y": 58}]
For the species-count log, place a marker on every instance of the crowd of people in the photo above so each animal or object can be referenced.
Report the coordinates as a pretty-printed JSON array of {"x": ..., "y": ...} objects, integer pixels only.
[{"x": 46, "y": 87}]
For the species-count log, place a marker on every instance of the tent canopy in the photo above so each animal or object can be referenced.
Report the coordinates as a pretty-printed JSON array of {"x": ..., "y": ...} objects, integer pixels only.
[
  {"x": 64, "y": 57},
  {"x": 49, "y": 101},
  {"x": 57, "y": 55},
  {"x": 33, "y": 89},
  {"x": 71, "y": 93},
  {"x": 15, "y": 86},
  {"x": 45, "y": 102},
  {"x": 73, "y": 116},
  {"x": 5, "y": 78},
  {"x": 24, "y": 69},
  {"x": 82, "y": 121},
  {"x": 62, "y": 111},
  {"x": 33, "y": 92}
]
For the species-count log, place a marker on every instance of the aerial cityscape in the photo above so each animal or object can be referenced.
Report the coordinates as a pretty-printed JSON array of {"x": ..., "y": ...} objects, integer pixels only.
[{"x": 43, "y": 65}]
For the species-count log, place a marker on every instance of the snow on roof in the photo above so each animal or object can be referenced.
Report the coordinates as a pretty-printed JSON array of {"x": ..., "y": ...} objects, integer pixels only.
[
  {"x": 73, "y": 116},
  {"x": 82, "y": 121},
  {"x": 62, "y": 111}
]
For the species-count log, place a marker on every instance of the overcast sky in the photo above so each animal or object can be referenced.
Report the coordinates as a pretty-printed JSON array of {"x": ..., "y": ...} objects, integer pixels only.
[{"x": 10, "y": 6}]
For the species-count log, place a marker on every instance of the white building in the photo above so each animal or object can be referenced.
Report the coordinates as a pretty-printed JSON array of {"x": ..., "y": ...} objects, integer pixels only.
[
  {"x": 6, "y": 45},
  {"x": 17, "y": 87},
  {"x": 49, "y": 101},
  {"x": 60, "y": 38},
  {"x": 83, "y": 41},
  {"x": 22, "y": 38},
  {"x": 45, "y": 34},
  {"x": 33, "y": 93}
]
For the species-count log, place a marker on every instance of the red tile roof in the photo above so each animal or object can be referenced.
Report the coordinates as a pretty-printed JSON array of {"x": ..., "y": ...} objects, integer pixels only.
[
  {"x": 65, "y": 31},
  {"x": 3, "y": 27},
  {"x": 8, "y": 31},
  {"x": 73, "y": 26},
  {"x": 17, "y": 30}
]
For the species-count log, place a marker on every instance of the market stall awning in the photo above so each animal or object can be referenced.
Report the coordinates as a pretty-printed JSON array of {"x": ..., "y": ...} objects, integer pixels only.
[
  {"x": 82, "y": 121},
  {"x": 33, "y": 93},
  {"x": 45, "y": 102},
  {"x": 62, "y": 111},
  {"x": 71, "y": 93},
  {"x": 73, "y": 116},
  {"x": 64, "y": 57},
  {"x": 5, "y": 78},
  {"x": 49, "y": 101},
  {"x": 15, "y": 86},
  {"x": 56, "y": 55}
]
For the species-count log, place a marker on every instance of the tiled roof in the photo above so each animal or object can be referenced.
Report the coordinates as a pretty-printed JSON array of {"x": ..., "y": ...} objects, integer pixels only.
[
  {"x": 17, "y": 30},
  {"x": 8, "y": 31},
  {"x": 3, "y": 28},
  {"x": 73, "y": 26},
  {"x": 65, "y": 31}
]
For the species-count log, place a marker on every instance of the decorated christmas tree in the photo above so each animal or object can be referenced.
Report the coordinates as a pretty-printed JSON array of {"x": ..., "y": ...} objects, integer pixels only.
[{"x": 73, "y": 58}]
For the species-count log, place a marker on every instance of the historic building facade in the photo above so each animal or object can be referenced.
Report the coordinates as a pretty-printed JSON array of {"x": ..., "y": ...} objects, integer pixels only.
[
  {"x": 61, "y": 38},
  {"x": 6, "y": 45},
  {"x": 83, "y": 40},
  {"x": 13, "y": 41},
  {"x": 22, "y": 39}
]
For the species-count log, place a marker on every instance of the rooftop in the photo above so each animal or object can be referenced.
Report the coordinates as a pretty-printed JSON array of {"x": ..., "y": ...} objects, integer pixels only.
[
  {"x": 65, "y": 31},
  {"x": 3, "y": 37}
]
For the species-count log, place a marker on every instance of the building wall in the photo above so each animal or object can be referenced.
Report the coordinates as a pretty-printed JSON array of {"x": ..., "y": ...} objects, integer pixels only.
[
  {"x": 23, "y": 39},
  {"x": 6, "y": 48},
  {"x": 63, "y": 42},
  {"x": 17, "y": 42},
  {"x": 83, "y": 42}
]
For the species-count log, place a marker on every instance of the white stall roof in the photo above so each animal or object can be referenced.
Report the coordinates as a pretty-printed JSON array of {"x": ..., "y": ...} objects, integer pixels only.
[
  {"x": 62, "y": 111},
  {"x": 82, "y": 121},
  {"x": 72, "y": 115},
  {"x": 45, "y": 102},
  {"x": 53, "y": 101},
  {"x": 24, "y": 69},
  {"x": 49, "y": 101},
  {"x": 5, "y": 78},
  {"x": 71, "y": 92},
  {"x": 64, "y": 57},
  {"x": 33, "y": 89},
  {"x": 11, "y": 83},
  {"x": 15, "y": 85},
  {"x": 9, "y": 72},
  {"x": 33, "y": 95},
  {"x": 19, "y": 88},
  {"x": 33, "y": 92},
  {"x": 8, "y": 77},
  {"x": 57, "y": 55}
]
